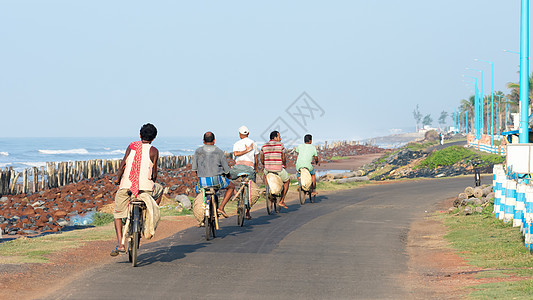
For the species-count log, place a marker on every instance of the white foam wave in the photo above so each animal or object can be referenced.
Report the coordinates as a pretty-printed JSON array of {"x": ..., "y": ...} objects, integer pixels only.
[
  {"x": 165, "y": 153},
  {"x": 70, "y": 151},
  {"x": 114, "y": 152},
  {"x": 34, "y": 164},
  {"x": 4, "y": 154}
]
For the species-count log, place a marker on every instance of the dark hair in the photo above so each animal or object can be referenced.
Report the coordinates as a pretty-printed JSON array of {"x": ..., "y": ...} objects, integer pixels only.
[
  {"x": 148, "y": 132},
  {"x": 274, "y": 134},
  {"x": 308, "y": 138},
  {"x": 209, "y": 137}
]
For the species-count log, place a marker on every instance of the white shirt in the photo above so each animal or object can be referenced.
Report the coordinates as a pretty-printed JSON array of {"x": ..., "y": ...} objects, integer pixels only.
[{"x": 249, "y": 157}]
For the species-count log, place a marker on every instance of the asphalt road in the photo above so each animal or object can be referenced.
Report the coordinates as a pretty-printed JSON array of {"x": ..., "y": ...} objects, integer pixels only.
[{"x": 348, "y": 245}]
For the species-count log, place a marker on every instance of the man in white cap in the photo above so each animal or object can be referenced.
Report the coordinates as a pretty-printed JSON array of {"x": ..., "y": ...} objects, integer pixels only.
[{"x": 245, "y": 152}]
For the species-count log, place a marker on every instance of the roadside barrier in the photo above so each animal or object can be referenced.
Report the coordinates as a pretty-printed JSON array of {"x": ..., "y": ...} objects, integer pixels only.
[{"x": 513, "y": 202}]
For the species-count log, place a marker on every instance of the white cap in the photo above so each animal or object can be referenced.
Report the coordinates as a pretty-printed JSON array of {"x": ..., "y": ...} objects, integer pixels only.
[{"x": 243, "y": 130}]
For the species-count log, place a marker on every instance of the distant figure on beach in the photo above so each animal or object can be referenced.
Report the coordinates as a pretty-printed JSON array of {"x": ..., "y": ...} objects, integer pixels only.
[
  {"x": 210, "y": 165},
  {"x": 245, "y": 152},
  {"x": 274, "y": 161},
  {"x": 306, "y": 155},
  {"x": 137, "y": 173}
]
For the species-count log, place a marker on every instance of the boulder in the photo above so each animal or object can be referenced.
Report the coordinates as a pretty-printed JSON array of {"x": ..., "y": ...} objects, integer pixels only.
[
  {"x": 468, "y": 210},
  {"x": 184, "y": 200}
]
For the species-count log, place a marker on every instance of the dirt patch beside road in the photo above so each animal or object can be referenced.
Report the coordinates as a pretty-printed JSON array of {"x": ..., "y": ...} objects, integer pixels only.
[{"x": 435, "y": 270}]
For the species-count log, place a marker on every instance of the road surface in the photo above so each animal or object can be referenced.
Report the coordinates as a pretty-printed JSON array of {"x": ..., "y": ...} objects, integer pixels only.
[{"x": 348, "y": 245}]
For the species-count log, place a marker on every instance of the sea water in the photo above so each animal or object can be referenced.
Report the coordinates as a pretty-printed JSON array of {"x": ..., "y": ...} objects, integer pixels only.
[{"x": 21, "y": 153}]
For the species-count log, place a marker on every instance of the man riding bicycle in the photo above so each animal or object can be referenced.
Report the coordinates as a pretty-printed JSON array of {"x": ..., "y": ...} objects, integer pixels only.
[
  {"x": 137, "y": 173},
  {"x": 210, "y": 165},
  {"x": 273, "y": 160},
  {"x": 306, "y": 155},
  {"x": 245, "y": 152}
]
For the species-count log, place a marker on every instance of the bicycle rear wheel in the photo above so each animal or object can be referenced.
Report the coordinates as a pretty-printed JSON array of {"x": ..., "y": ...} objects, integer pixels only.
[
  {"x": 207, "y": 224},
  {"x": 268, "y": 202},
  {"x": 136, "y": 235},
  {"x": 241, "y": 209},
  {"x": 301, "y": 194}
]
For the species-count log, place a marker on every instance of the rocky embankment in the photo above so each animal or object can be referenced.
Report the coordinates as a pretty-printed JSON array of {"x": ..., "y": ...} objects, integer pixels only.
[
  {"x": 404, "y": 164},
  {"x": 53, "y": 209}
]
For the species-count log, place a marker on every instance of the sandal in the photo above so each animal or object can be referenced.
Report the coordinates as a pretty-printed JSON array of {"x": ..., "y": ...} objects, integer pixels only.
[
  {"x": 283, "y": 205},
  {"x": 249, "y": 217},
  {"x": 117, "y": 251},
  {"x": 222, "y": 213}
]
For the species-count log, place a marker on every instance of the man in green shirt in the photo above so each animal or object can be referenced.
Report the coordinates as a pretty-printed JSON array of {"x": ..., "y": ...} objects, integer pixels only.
[{"x": 306, "y": 155}]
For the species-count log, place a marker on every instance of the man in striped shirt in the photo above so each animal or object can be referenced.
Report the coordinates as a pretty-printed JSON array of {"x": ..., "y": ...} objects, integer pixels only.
[{"x": 273, "y": 160}]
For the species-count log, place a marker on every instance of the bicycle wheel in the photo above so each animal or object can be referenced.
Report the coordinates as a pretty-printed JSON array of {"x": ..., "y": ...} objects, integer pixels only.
[
  {"x": 240, "y": 209},
  {"x": 268, "y": 202},
  {"x": 135, "y": 236},
  {"x": 301, "y": 193},
  {"x": 207, "y": 224}
]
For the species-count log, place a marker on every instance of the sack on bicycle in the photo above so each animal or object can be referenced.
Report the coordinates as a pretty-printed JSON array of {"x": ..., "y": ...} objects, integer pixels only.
[
  {"x": 254, "y": 193},
  {"x": 275, "y": 184},
  {"x": 305, "y": 179},
  {"x": 151, "y": 215},
  {"x": 198, "y": 207}
]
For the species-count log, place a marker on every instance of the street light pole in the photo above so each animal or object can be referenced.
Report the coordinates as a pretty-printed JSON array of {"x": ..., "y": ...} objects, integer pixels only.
[
  {"x": 523, "y": 134},
  {"x": 476, "y": 108},
  {"x": 491, "y": 126},
  {"x": 499, "y": 115},
  {"x": 481, "y": 108}
]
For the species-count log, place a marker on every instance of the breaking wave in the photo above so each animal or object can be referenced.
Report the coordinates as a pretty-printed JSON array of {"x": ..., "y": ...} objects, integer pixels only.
[{"x": 70, "y": 151}]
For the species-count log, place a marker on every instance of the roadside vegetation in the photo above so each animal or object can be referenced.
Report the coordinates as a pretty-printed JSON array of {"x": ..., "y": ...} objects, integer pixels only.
[
  {"x": 458, "y": 155},
  {"x": 495, "y": 246}
]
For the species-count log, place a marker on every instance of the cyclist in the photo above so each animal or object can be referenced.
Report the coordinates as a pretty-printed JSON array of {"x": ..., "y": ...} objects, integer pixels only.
[
  {"x": 137, "y": 172},
  {"x": 306, "y": 155},
  {"x": 209, "y": 164},
  {"x": 245, "y": 152},
  {"x": 274, "y": 161}
]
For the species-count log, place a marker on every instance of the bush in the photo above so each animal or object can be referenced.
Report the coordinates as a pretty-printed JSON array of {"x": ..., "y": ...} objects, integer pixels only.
[
  {"x": 102, "y": 219},
  {"x": 431, "y": 135}
]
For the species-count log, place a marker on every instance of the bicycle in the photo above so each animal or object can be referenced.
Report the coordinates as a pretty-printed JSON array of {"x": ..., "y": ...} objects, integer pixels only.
[
  {"x": 304, "y": 193},
  {"x": 211, "y": 215},
  {"x": 243, "y": 197},
  {"x": 271, "y": 200},
  {"x": 131, "y": 231}
]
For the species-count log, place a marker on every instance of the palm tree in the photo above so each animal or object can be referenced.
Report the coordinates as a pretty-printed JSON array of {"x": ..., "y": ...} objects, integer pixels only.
[{"x": 515, "y": 90}]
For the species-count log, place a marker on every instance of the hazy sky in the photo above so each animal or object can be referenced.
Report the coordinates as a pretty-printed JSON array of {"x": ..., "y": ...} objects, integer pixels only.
[{"x": 104, "y": 68}]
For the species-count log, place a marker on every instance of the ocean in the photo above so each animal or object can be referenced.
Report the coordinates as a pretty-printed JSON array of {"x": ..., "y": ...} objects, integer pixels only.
[{"x": 21, "y": 153}]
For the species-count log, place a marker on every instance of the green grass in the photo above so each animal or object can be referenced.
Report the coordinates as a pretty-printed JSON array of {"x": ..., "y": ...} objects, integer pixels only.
[
  {"x": 454, "y": 154},
  {"x": 334, "y": 186},
  {"x": 170, "y": 210},
  {"x": 35, "y": 250},
  {"x": 338, "y": 157},
  {"x": 489, "y": 243},
  {"x": 420, "y": 146}
]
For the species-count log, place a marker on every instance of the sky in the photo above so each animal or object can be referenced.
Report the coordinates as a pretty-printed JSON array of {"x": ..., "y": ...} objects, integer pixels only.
[{"x": 335, "y": 69}]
